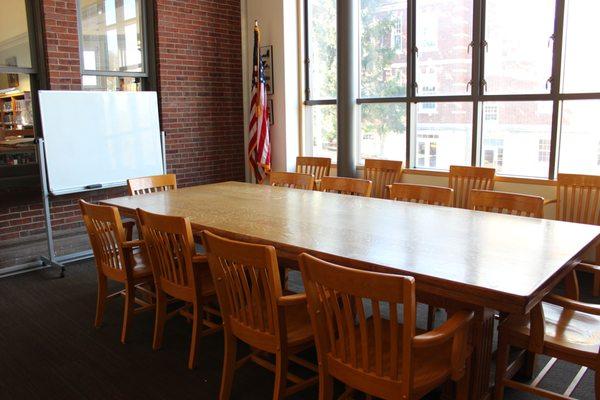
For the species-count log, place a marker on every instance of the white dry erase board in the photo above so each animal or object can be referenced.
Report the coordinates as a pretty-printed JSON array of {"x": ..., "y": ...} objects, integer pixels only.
[{"x": 99, "y": 138}]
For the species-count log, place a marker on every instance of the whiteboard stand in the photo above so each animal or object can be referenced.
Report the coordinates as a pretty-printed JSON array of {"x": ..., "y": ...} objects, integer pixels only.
[{"x": 52, "y": 260}]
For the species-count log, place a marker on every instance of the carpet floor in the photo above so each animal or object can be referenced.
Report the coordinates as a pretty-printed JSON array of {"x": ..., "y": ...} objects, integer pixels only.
[{"x": 49, "y": 349}]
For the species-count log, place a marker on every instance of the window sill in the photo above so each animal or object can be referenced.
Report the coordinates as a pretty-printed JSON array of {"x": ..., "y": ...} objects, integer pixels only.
[{"x": 499, "y": 178}]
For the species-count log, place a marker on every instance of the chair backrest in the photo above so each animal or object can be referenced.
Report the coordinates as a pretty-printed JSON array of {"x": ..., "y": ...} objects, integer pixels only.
[
  {"x": 578, "y": 198},
  {"x": 434, "y": 195},
  {"x": 294, "y": 180},
  {"x": 106, "y": 233},
  {"x": 365, "y": 349},
  {"x": 247, "y": 283},
  {"x": 463, "y": 179},
  {"x": 382, "y": 173},
  {"x": 171, "y": 248},
  {"x": 351, "y": 186},
  {"x": 507, "y": 203},
  {"x": 315, "y": 166},
  {"x": 151, "y": 184}
]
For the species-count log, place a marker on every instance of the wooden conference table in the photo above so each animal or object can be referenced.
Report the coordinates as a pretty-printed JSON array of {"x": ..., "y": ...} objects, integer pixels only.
[{"x": 459, "y": 258}]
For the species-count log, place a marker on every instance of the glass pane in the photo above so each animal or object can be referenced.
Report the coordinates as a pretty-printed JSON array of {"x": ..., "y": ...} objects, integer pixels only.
[
  {"x": 516, "y": 137},
  {"x": 580, "y": 138},
  {"x": 443, "y": 136},
  {"x": 16, "y": 111},
  {"x": 581, "y": 57},
  {"x": 382, "y": 131},
  {"x": 443, "y": 60},
  {"x": 518, "y": 58},
  {"x": 321, "y": 131},
  {"x": 112, "y": 35},
  {"x": 14, "y": 36},
  {"x": 322, "y": 37},
  {"x": 111, "y": 83},
  {"x": 383, "y": 48}
]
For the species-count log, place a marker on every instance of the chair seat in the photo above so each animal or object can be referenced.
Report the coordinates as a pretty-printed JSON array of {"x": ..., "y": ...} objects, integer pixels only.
[
  {"x": 566, "y": 330},
  {"x": 431, "y": 365}
]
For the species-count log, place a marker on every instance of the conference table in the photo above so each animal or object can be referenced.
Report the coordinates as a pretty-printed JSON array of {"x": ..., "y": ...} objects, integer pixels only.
[{"x": 484, "y": 262}]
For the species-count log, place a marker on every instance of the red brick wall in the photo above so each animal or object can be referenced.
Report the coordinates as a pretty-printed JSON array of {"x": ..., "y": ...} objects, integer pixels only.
[{"x": 199, "y": 63}]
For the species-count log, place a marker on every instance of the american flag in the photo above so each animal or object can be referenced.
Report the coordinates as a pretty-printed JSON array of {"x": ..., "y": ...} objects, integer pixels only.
[{"x": 259, "y": 147}]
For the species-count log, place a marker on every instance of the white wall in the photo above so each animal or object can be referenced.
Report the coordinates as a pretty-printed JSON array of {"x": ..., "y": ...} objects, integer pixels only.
[{"x": 278, "y": 20}]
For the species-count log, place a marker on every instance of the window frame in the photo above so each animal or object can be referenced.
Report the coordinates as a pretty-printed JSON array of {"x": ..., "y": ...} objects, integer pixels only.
[
  {"x": 147, "y": 27},
  {"x": 475, "y": 91}
]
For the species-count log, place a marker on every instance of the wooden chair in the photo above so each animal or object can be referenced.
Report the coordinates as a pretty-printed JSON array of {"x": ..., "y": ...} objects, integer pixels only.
[
  {"x": 560, "y": 328},
  {"x": 381, "y": 357},
  {"x": 507, "y": 203},
  {"x": 464, "y": 179},
  {"x": 315, "y": 166},
  {"x": 151, "y": 184},
  {"x": 292, "y": 180},
  {"x": 578, "y": 200},
  {"x": 382, "y": 173},
  {"x": 433, "y": 195},
  {"x": 351, "y": 186},
  {"x": 118, "y": 258},
  {"x": 180, "y": 273},
  {"x": 256, "y": 312}
]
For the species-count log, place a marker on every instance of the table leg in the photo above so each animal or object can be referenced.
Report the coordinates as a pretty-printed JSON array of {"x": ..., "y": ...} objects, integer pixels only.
[{"x": 482, "y": 340}]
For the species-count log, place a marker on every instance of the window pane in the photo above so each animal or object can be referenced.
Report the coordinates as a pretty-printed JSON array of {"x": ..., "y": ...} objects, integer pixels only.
[
  {"x": 580, "y": 137},
  {"x": 516, "y": 137},
  {"x": 383, "y": 48},
  {"x": 15, "y": 105},
  {"x": 321, "y": 131},
  {"x": 111, "y": 83},
  {"x": 322, "y": 37},
  {"x": 443, "y": 64},
  {"x": 112, "y": 35},
  {"x": 443, "y": 136},
  {"x": 518, "y": 58},
  {"x": 382, "y": 131},
  {"x": 581, "y": 57},
  {"x": 14, "y": 36}
]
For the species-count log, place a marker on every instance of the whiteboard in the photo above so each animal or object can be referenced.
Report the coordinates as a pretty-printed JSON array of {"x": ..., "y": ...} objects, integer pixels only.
[{"x": 99, "y": 138}]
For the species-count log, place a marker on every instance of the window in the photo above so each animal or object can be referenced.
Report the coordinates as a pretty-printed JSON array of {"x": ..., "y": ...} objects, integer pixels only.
[
  {"x": 581, "y": 60},
  {"x": 112, "y": 44},
  {"x": 443, "y": 59},
  {"x": 321, "y": 131},
  {"x": 321, "y": 49},
  {"x": 18, "y": 75},
  {"x": 382, "y": 60},
  {"x": 436, "y": 91},
  {"x": 518, "y": 51},
  {"x": 444, "y": 138},
  {"x": 579, "y": 137},
  {"x": 383, "y": 131}
]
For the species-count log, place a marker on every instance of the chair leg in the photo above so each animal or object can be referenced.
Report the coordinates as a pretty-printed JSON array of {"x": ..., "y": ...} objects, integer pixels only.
[
  {"x": 160, "y": 319},
  {"x": 501, "y": 366},
  {"x": 101, "y": 300},
  {"x": 325, "y": 385},
  {"x": 462, "y": 386},
  {"x": 597, "y": 384},
  {"x": 528, "y": 368},
  {"x": 196, "y": 331},
  {"x": 281, "y": 364},
  {"x": 228, "y": 365},
  {"x": 128, "y": 310},
  {"x": 430, "y": 317}
]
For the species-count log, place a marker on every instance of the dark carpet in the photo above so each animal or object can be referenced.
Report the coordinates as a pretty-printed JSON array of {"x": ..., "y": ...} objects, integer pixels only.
[{"x": 50, "y": 350}]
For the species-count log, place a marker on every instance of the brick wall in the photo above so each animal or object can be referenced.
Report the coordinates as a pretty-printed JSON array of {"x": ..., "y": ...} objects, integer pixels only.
[{"x": 199, "y": 64}]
